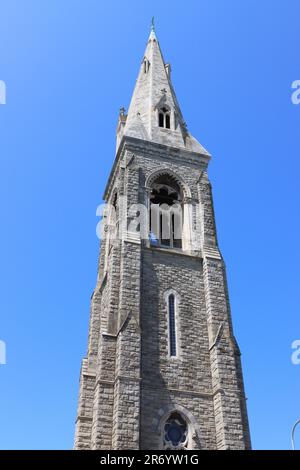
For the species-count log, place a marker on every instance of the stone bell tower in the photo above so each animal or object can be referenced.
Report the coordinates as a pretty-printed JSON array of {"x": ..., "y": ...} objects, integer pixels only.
[{"x": 163, "y": 367}]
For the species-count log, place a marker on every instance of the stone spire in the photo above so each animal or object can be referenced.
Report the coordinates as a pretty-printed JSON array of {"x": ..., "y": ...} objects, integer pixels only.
[{"x": 154, "y": 92}]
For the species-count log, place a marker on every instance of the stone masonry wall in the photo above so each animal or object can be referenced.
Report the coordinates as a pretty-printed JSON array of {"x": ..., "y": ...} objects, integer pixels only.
[
  {"x": 129, "y": 383},
  {"x": 186, "y": 379}
]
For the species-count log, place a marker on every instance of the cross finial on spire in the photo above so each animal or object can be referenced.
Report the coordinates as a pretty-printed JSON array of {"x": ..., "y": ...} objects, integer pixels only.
[{"x": 152, "y": 25}]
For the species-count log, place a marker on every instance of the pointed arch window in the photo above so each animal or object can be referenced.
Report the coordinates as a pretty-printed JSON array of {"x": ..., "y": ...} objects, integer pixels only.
[
  {"x": 113, "y": 220},
  {"x": 146, "y": 65},
  {"x": 166, "y": 213},
  {"x": 114, "y": 210},
  {"x": 164, "y": 118},
  {"x": 167, "y": 117},
  {"x": 172, "y": 325}
]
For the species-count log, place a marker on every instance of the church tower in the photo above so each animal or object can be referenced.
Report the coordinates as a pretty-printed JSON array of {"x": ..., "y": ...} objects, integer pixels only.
[{"x": 163, "y": 367}]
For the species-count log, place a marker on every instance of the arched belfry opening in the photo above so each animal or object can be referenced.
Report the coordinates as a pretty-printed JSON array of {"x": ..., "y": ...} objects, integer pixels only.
[{"x": 166, "y": 212}]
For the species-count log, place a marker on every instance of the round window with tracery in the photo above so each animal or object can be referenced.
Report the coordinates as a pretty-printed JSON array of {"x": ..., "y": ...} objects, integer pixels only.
[{"x": 175, "y": 432}]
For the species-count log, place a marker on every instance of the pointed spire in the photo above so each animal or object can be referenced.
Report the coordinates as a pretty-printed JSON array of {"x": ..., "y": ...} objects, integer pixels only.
[
  {"x": 152, "y": 31},
  {"x": 152, "y": 24},
  {"x": 153, "y": 95}
]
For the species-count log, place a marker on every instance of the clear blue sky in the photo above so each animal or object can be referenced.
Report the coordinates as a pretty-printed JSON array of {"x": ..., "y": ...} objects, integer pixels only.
[{"x": 68, "y": 67}]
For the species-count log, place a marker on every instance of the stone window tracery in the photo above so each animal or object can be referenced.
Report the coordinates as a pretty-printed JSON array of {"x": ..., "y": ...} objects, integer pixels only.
[
  {"x": 175, "y": 432},
  {"x": 166, "y": 213}
]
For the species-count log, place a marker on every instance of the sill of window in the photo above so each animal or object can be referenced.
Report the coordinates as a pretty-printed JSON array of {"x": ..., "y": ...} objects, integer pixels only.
[
  {"x": 165, "y": 129},
  {"x": 168, "y": 249},
  {"x": 174, "y": 358},
  {"x": 174, "y": 251}
]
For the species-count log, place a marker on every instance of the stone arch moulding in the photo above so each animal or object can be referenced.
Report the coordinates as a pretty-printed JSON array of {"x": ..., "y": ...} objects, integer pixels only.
[
  {"x": 172, "y": 291},
  {"x": 166, "y": 171},
  {"x": 163, "y": 414}
]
